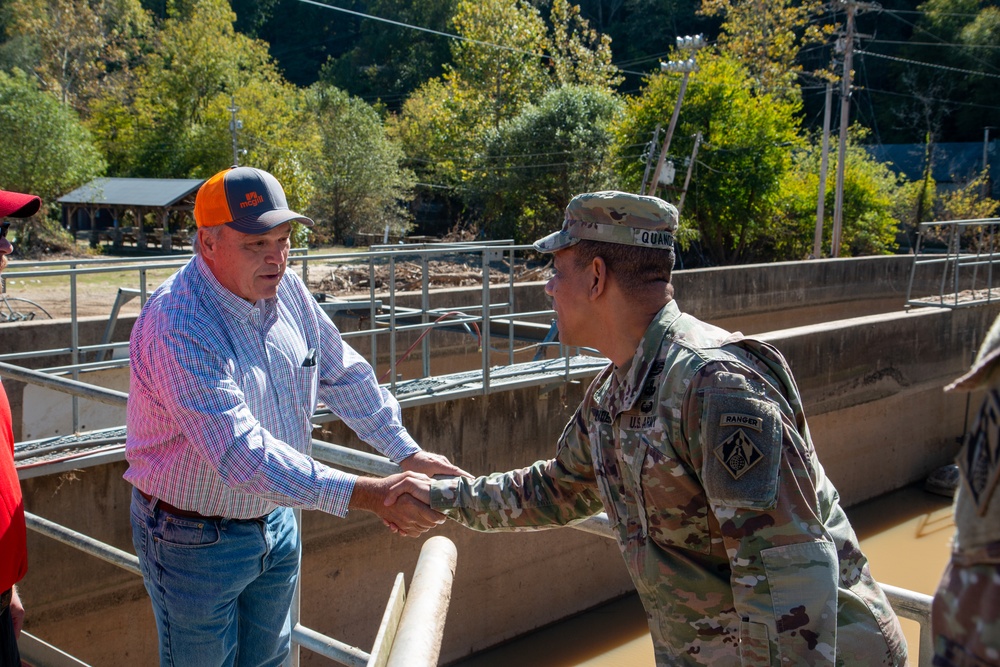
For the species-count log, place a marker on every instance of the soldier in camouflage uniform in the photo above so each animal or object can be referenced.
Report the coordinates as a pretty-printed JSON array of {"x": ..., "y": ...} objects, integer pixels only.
[
  {"x": 965, "y": 619},
  {"x": 695, "y": 443}
]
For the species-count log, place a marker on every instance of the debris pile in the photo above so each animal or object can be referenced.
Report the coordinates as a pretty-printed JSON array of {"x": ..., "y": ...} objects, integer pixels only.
[{"x": 349, "y": 279}]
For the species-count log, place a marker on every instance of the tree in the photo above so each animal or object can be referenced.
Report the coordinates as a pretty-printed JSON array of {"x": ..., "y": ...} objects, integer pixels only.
[
  {"x": 766, "y": 36},
  {"x": 359, "y": 183},
  {"x": 46, "y": 150},
  {"x": 500, "y": 60},
  {"x": 581, "y": 54},
  {"x": 79, "y": 47},
  {"x": 748, "y": 137},
  {"x": 876, "y": 202},
  {"x": 536, "y": 162},
  {"x": 388, "y": 62},
  {"x": 175, "y": 121},
  {"x": 507, "y": 61}
]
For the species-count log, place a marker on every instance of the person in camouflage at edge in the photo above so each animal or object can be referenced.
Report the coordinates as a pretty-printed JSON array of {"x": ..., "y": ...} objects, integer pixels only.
[
  {"x": 695, "y": 443},
  {"x": 965, "y": 617}
]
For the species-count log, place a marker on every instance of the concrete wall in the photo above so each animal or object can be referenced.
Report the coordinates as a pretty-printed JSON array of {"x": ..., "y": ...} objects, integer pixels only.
[{"x": 872, "y": 388}]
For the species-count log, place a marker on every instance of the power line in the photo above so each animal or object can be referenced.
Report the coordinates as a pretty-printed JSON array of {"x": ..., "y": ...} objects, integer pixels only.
[
  {"x": 962, "y": 46},
  {"x": 449, "y": 35},
  {"x": 929, "y": 99},
  {"x": 923, "y": 64}
]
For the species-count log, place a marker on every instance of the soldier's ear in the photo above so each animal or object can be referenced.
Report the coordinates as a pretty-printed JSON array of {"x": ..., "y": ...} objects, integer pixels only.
[{"x": 599, "y": 278}]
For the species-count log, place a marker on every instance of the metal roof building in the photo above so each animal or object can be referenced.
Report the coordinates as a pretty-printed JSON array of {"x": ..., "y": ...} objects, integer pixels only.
[{"x": 138, "y": 211}]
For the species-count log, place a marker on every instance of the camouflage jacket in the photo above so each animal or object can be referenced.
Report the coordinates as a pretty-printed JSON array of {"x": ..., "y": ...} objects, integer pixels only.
[
  {"x": 965, "y": 618},
  {"x": 700, "y": 454}
]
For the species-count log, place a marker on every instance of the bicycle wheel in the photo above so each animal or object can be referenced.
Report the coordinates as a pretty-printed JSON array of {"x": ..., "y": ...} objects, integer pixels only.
[{"x": 19, "y": 309}]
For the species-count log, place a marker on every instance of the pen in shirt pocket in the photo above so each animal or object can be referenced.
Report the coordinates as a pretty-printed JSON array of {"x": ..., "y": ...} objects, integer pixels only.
[{"x": 310, "y": 359}]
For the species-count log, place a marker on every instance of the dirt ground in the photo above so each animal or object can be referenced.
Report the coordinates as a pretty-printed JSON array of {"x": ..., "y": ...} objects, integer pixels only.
[{"x": 97, "y": 292}]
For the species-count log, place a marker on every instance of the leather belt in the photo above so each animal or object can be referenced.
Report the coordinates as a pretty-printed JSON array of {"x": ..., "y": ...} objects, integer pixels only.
[{"x": 167, "y": 507}]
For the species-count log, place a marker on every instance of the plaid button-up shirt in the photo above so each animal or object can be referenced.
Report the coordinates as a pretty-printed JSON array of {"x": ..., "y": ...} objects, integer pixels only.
[{"x": 221, "y": 397}]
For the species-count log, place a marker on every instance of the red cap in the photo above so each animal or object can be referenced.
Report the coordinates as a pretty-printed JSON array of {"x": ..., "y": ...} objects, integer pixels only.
[{"x": 17, "y": 205}]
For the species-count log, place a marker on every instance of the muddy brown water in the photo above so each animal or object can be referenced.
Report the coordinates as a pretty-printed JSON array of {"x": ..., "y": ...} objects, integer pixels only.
[{"x": 905, "y": 534}]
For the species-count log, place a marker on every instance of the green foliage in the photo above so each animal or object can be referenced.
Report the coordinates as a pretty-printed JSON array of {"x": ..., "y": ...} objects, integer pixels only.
[
  {"x": 359, "y": 184},
  {"x": 499, "y": 80},
  {"x": 46, "y": 151},
  {"x": 767, "y": 36},
  {"x": 536, "y": 162},
  {"x": 581, "y": 54},
  {"x": 969, "y": 202},
  {"x": 78, "y": 48},
  {"x": 747, "y": 137},
  {"x": 875, "y": 202},
  {"x": 389, "y": 62},
  {"x": 175, "y": 121}
]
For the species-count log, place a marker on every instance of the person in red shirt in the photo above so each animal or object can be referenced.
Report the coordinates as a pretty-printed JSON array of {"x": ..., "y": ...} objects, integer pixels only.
[{"x": 13, "y": 543}]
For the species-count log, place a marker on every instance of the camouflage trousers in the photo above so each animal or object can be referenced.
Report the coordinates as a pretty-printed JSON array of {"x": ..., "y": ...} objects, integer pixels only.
[{"x": 965, "y": 617}]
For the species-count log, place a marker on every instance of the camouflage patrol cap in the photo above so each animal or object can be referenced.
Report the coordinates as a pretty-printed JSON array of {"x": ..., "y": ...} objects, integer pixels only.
[
  {"x": 985, "y": 366},
  {"x": 614, "y": 217}
]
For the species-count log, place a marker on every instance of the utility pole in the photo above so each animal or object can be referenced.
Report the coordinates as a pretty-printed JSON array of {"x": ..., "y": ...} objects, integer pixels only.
[
  {"x": 648, "y": 156},
  {"x": 687, "y": 179},
  {"x": 845, "y": 111},
  {"x": 824, "y": 161},
  {"x": 686, "y": 43},
  {"x": 234, "y": 125}
]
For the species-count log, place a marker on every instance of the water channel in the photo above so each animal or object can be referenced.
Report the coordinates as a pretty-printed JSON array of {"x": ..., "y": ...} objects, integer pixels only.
[{"x": 905, "y": 534}]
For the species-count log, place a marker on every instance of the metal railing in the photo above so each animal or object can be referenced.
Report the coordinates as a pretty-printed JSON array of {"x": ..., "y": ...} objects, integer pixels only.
[
  {"x": 958, "y": 256},
  {"x": 907, "y": 604},
  {"x": 412, "y": 625},
  {"x": 493, "y": 320},
  {"x": 398, "y": 320}
]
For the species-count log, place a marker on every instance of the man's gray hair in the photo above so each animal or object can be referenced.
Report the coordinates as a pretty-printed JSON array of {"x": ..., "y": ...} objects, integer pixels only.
[{"x": 214, "y": 231}]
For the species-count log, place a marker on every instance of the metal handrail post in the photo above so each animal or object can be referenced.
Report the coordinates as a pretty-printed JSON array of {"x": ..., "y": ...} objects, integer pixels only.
[
  {"x": 425, "y": 305},
  {"x": 916, "y": 607},
  {"x": 511, "y": 309},
  {"x": 392, "y": 322},
  {"x": 485, "y": 333},
  {"x": 74, "y": 345},
  {"x": 295, "y": 610},
  {"x": 421, "y": 627}
]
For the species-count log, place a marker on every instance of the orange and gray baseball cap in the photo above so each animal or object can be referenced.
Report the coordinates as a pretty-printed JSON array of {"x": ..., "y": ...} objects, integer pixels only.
[
  {"x": 248, "y": 200},
  {"x": 614, "y": 217},
  {"x": 18, "y": 205}
]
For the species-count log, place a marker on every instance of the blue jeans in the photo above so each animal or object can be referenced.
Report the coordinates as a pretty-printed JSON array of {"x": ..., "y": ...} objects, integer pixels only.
[{"x": 221, "y": 588}]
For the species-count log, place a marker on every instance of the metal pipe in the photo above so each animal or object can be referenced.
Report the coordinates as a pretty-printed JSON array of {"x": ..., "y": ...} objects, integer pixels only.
[
  {"x": 65, "y": 385},
  {"x": 354, "y": 459},
  {"x": 421, "y": 627},
  {"x": 106, "y": 552},
  {"x": 329, "y": 647}
]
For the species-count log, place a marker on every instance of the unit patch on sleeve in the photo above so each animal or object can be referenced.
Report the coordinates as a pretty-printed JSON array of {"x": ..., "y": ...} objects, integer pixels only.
[
  {"x": 738, "y": 453},
  {"x": 741, "y": 436},
  {"x": 979, "y": 459}
]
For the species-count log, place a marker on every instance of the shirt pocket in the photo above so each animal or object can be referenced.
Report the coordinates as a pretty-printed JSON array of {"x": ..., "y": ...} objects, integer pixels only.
[
  {"x": 803, "y": 583},
  {"x": 306, "y": 386}
]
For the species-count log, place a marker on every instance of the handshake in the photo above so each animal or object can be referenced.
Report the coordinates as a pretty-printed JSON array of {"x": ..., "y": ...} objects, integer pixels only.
[{"x": 402, "y": 500}]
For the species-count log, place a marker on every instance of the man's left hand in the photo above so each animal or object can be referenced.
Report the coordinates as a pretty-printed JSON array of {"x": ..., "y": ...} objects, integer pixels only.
[{"x": 431, "y": 465}]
